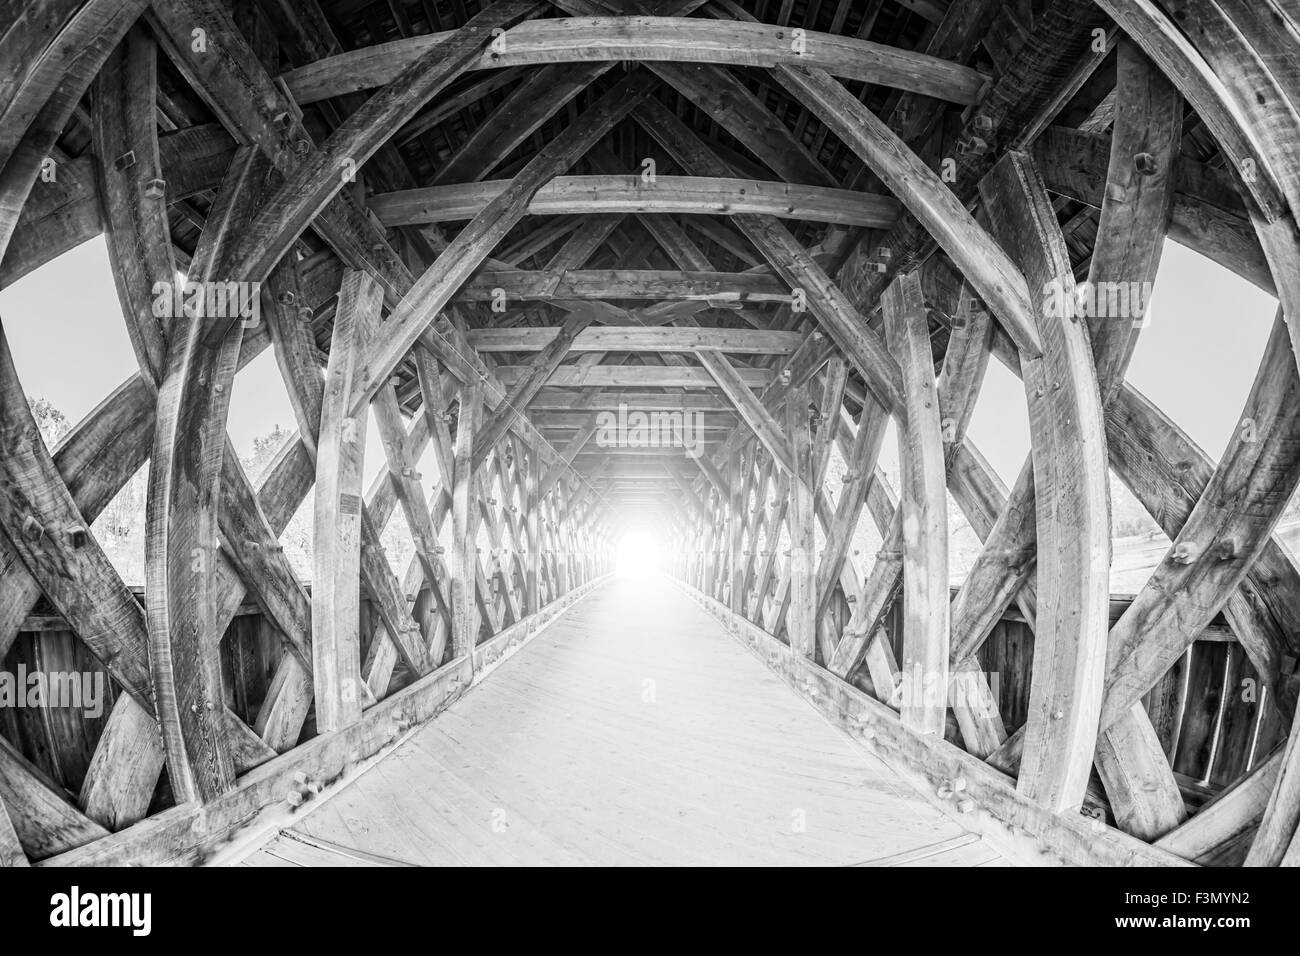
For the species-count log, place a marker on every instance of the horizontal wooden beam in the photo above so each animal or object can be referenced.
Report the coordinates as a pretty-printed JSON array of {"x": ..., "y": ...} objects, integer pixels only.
[
  {"x": 560, "y": 400},
  {"x": 635, "y": 338},
  {"x": 685, "y": 195},
  {"x": 553, "y": 422},
  {"x": 668, "y": 449},
  {"x": 672, "y": 39},
  {"x": 632, "y": 376},
  {"x": 624, "y": 284}
]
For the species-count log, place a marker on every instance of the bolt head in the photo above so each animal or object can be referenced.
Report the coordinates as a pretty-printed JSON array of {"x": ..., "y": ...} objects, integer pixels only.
[{"x": 1145, "y": 164}]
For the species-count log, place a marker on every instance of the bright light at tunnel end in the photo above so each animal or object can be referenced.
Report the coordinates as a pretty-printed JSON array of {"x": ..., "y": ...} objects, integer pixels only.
[{"x": 637, "y": 555}]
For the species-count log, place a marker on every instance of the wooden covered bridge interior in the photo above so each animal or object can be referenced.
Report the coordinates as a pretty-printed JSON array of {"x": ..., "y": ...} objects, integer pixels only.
[{"x": 506, "y": 231}]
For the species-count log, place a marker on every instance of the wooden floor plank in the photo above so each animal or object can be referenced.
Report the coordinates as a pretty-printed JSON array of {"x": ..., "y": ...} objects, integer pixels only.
[{"x": 634, "y": 731}]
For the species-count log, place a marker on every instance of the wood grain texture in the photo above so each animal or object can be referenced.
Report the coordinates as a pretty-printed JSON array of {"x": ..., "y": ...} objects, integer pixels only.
[
  {"x": 578, "y": 39},
  {"x": 336, "y": 555},
  {"x": 923, "y": 505},
  {"x": 473, "y": 243},
  {"x": 801, "y": 621},
  {"x": 928, "y": 198},
  {"x": 933, "y": 763},
  {"x": 681, "y": 195},
  {"x": 523, "y": 782},
  {"x": 1072, "y": 499}
]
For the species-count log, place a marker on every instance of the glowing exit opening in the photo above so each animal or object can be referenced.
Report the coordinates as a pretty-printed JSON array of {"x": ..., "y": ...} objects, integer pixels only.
[{"x": 637, "y": 555}]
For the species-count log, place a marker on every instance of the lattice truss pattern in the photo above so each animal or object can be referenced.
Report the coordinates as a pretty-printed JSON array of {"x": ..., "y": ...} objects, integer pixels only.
[{"x": 486, "y": 224}]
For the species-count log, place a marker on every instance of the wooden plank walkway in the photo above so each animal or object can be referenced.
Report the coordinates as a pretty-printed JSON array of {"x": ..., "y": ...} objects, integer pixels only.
[{"x": 633, "y": 731}]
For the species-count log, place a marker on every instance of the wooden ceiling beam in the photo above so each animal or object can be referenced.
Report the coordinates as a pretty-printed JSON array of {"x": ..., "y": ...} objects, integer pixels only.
[
  {"x": 659, "y": 285},
  {"x": 560, "y": 400},
  {"x": 632, "y": 376},
  {"x": 682, "y": 195},
  {"x": 638, "y": 338},
  {"x": 650, "y": 39}
]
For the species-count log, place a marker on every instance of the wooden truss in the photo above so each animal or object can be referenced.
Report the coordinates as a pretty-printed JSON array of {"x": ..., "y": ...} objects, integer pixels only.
[{"x": 486, "y": 242}]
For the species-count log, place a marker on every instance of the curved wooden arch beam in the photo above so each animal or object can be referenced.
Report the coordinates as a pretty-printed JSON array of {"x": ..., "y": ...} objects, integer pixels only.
[
  {"x": 133, "y": 203},
  {"x": 140, "y": 243},
  {"x": 181, "y": 546},
  {"x": 1072, "y": 497},
  {"x": 1144, "y": 796},
  {"x": 128, "y": 758},
  {"x": 683, "y": 195},
  {"x": 38, "y": 108},
  {"x": 987, "y": 268},
  {"x": 1272, "y": 30},
  {"x": 1269, "y": 116},
  {"x": 30, "y": 36},
  {"x": 923, "y": 506},
  {"x": 1235, "y": 131},
  {"x": 315, "y": 181},
  {"x": 651, "y": 39},
  {"x": 1145, "y": 144},
  {"x": 1272, "y": 117}
]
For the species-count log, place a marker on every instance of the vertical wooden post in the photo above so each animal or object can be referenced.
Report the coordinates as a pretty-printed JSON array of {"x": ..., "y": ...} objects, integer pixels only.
[
  {"x": 736, "y": 530},
  {"x": 723, "y": 541},
  {"x": 557, "y": 539},
  {"x": 532, "y": 516},
  {"x": 336, "y": 562},
  {"x": 924, "y": 504},
  {"x": 464, "y": 522},
  {"x": 801, "y": 621}
]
